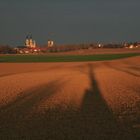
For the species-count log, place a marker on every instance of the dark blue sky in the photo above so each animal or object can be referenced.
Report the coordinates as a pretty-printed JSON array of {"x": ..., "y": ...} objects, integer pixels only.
[{"x": 69, "y": 21}]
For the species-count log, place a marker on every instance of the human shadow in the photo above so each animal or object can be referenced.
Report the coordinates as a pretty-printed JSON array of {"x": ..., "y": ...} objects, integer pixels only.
[
  {"x": 100, "y": 123},
  {"x": 93, "y": 121}
]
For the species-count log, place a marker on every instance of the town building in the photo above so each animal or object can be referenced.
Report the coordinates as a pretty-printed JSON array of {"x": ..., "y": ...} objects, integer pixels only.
[{"x": 50, "y": 43}]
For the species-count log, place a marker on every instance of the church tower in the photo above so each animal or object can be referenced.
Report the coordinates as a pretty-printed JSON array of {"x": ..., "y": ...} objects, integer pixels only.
[
  {"x": 29, "y": 42},
  {"x": 50, "y": 43}
]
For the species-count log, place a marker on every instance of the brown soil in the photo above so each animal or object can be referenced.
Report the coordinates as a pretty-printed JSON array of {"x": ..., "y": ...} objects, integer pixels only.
[{"x": 70, "y": 101}]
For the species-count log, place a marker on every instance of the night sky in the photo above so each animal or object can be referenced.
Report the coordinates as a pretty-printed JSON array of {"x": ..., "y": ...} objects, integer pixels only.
[{"x": 69, "y": 21}]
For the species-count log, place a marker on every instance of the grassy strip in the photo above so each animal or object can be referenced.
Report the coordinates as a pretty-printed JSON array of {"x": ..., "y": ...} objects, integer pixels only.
[{"x": 78, "y": 58}]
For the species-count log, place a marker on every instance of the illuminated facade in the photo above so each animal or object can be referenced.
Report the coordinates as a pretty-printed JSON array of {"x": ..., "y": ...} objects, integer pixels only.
[
  {"x": 29, "y": 42},
  {"x": 50, "y": 43}
]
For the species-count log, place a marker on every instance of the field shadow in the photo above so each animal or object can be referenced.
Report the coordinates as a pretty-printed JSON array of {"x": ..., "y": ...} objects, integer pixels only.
[
  {"x": 13, "y": 115},
  {"x": 30, "y": 71},
  {"x": 101, "y": 123},
  {"x": 126, "y": 70},
  {"x": 136, "y": 68},
  {"x": 93, "y": 121}
]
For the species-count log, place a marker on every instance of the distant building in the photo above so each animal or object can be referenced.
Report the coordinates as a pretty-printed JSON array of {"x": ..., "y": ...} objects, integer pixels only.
[
  {"x": 25, "y": 50},
  {"x": 131, "y": 46},
  {"x": 28, "y": 47},
  {"x": 50, "y": 43},
  {"x": 100, "y": 45},
  {"x": 29, "y": 42}
]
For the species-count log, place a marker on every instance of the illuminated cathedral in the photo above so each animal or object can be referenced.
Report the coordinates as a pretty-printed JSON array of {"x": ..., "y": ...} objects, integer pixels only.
[{"x": 29, "y": 42}]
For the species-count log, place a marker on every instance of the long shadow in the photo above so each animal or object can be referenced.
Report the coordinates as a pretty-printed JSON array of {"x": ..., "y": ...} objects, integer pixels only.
[
  {"x": 4, "y": 75},
  {"x": 122, "y": 70},
  {"x": 131, "y": 65},
  {"x": 136, "y": 68},
  {"x": 100, "y": 121},
  {"x": 13, "y": 116},
  {"x": 94, "y": 121},
  {"x": 29, "y": 71}
]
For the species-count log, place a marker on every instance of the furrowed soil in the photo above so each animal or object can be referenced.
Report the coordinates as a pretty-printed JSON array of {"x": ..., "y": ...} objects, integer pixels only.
[{"x": 70, "y": 101}]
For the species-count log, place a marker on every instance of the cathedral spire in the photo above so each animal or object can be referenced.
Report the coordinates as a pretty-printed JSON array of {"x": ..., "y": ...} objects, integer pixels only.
[{"x": 29, "y": 42}]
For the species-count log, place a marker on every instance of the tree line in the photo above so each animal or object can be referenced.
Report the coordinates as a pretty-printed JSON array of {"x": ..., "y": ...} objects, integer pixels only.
[{"x": 6, "y": 49}]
